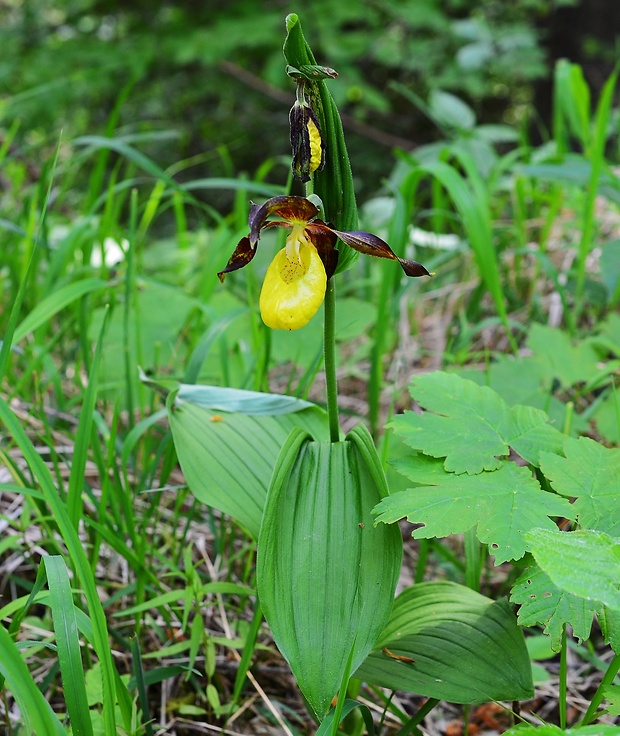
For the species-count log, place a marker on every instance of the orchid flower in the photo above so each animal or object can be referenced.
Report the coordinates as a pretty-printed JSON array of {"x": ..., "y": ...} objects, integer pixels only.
[{"x": 295, "y": 282}]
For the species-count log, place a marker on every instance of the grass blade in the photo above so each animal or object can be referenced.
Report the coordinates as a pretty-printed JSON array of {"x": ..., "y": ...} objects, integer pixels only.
[
  {"x": 78, "y": 558},
  {"x": 67, "y": 641},
  {"x": 82, "y": 436},
  {"x": 37, "y": 715}
]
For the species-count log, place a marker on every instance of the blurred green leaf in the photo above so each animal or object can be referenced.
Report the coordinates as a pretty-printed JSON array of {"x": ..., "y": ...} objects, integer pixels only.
[
  {"x": 450, "y": 111},
  {"x": 560, "y": 359}
]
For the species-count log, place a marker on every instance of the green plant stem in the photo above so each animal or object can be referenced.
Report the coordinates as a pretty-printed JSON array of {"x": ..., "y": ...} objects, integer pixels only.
[
  {"x": 599, "y": 695},
  {"x": 473, "y": 560},
  {"x": 563, "y": 668},
  {"x": 329, "y": 351}
]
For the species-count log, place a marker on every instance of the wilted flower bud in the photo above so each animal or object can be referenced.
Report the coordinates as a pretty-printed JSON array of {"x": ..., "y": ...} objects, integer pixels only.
[{"x": 306, "y": 141}]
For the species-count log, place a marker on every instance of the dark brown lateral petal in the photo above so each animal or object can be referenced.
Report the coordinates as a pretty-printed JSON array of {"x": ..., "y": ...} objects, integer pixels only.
[
  {"x": 288, "y": 208},
  {"x": 241, "y": 257},
  {"x": 372, "y": 245},
  {"x": 324, "y": 240}
]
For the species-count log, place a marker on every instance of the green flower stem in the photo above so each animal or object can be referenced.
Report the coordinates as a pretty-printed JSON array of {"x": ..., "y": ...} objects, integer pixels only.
[
  {"x": 599, "y": 695},
  {"x": 563, "y": 674},
  {"x": 329, "y": 352}
]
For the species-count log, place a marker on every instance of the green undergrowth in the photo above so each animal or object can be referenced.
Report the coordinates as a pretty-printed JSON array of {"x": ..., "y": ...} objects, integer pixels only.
[{"x": 144, "y": 407}]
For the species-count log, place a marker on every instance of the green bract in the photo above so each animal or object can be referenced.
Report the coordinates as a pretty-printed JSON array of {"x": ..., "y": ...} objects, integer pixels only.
[{"x": 326, "y": 575}]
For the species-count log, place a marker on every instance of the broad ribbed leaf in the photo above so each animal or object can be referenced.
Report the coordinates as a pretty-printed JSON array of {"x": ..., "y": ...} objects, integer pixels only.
[
  {"x": 446, "y": 641},
  {"x": 472, "y": 426},
  {"x": 242, "y": 401},
  {"x": 326, "y": 575},
  {"x": 228, "y": 458}
]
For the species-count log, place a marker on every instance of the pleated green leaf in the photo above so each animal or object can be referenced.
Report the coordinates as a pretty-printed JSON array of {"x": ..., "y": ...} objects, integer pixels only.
[
  {"x": 446, "y": 641},
  {"x": 68, "y": 643},
  {"x": 37, "y": 715},
  {"x": 325, "y": 574},
  {"x": 228, "y": 458}
]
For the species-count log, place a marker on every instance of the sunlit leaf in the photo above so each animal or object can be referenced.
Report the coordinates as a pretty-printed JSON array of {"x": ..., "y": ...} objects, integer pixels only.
[
  {"x": 584, "y": 563},
  {"x": 591, "y": 473},
  {"x": 471, "y": 426},
  {"x": 502, "y": 505}
]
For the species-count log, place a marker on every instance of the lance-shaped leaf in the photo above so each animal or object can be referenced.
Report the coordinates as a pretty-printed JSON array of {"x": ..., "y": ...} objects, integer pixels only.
[
  {"x": 228, "y": 457},
  {"x": 325, "y": 574},
  {"x": 472, "y": 426},
  {"x": 591, "y": 473},
  {"x": 502, "y": 505},
  {"x": 542, "y": 602},
  {"x": 446, "y": 641}
]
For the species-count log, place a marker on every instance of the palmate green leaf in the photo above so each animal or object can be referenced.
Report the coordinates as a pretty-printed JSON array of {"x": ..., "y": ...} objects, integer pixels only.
[
  {"x": 543, "y": 603},
  {"x": 471, "y": 426},
  {"x": 228, "y": 458},
  {"x": 559, "y": 358},
  {"x": 524, "y": 380},
  {"x": 612, "y": 695},
  {"x": 325, "y": 574},
  {"x": 607, "y": 416},
  {"x": 609, "y": 621},
  {"x": 591, "y": 473},
  {"x": 457, "y": 645},
  {"x": 502, "y": 505},
  {"x": 546, "y": 729},
  {"x": 584, "y": 563}
]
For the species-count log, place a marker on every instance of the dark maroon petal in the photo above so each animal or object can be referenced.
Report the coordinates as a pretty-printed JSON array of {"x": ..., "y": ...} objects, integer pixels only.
[
  {"x": 288, "y": 208},
  {"x": 241, "y": 257},
  {"x": 324, "y": 240},
  {"x": 372, "y": 245}
]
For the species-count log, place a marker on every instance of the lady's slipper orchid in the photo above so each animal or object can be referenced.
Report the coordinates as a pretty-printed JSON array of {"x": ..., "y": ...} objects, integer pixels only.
[{"x": 296, "y": 280}]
